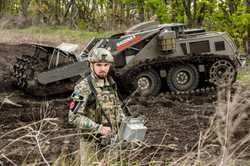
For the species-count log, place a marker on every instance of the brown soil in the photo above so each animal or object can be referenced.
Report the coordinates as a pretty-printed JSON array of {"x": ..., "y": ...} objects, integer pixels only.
[{"x": 173, "y": 122}]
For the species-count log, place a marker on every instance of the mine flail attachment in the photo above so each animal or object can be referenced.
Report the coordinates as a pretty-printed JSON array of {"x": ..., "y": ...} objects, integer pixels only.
[{"x": 28, "y": 69}]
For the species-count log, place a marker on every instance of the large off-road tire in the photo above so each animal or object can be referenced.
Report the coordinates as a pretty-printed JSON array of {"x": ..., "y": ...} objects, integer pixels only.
[
  {"x": 148, "y": 83},
  {"x": 182, "y": 78}
]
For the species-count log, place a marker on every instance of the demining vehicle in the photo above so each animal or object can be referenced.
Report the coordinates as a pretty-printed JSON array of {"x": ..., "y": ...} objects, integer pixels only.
[{"x": 149, "y": 56}]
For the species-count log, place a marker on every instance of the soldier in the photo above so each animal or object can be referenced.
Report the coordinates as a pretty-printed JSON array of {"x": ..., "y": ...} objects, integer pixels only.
[{"x": 95, "y": 107}]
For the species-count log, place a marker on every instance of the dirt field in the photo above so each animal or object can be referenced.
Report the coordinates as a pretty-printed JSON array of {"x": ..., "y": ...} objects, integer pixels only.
[{"x": 175, "y": 124}]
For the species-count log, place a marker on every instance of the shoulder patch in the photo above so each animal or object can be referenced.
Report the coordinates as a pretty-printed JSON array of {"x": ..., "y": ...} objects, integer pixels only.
[{"x": 76, "y": 95}]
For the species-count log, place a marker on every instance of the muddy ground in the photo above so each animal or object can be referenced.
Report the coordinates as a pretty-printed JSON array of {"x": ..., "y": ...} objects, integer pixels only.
[{"x": 174, "y": 123}]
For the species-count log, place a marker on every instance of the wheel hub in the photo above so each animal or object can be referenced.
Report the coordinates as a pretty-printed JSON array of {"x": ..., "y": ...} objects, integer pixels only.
[
  {"x": 143, "y": 83},
  {"x": 182, "y": 78}
]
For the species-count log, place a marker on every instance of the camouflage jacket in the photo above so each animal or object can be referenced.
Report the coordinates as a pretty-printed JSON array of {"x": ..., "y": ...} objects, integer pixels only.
[{"x": 96, "y": 111}]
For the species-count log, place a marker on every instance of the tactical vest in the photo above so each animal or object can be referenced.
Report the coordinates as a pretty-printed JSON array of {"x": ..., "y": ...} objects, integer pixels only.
[{"x": 108, "y": 108}]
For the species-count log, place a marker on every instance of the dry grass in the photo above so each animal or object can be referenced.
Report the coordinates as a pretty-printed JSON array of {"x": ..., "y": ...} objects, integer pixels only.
[
  {"x": 35, "y": 142},
  {"x": 219, "y": 144},
  {"x": 32, "y": 136}
]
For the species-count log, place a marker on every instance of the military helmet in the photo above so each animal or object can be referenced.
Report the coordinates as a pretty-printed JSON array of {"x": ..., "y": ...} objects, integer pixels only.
[{"x": 100, "y": 55}]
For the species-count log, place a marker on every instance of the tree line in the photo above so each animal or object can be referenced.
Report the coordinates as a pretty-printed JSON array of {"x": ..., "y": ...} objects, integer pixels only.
[{"x": 232, "y": 16}]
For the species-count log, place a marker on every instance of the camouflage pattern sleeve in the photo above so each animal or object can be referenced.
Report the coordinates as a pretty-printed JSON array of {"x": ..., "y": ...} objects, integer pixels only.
[{"x": 76, "y": 115}]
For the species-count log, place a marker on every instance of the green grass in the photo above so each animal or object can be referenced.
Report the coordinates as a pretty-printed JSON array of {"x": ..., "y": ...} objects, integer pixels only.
[
  {"x": 244, "y": 73},
  {"x": 52, "y": 34},
  {"x": 61, "y": 31},
  {"x": 243, "y": 76}
]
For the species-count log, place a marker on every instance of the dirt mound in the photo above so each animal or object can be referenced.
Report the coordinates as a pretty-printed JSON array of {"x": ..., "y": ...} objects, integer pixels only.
[{"x": 14, "y": 22}]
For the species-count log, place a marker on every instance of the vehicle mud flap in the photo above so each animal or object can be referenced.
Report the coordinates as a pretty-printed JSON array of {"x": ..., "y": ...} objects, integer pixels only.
[{"x": 64, "y": 72}]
